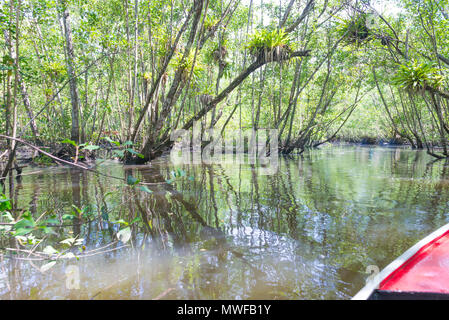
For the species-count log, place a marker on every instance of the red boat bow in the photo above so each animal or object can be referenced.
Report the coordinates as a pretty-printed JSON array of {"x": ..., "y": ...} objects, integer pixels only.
[
  {"x": 426, "y": 271},
  {"x": 422, "y": 272}
]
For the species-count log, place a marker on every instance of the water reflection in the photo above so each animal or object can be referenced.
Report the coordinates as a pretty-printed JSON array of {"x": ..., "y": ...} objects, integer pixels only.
[{"x": 307, "y": 232}]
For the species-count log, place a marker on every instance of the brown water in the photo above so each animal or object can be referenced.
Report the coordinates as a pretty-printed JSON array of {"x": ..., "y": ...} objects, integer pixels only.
[{"x": 307, "y": 232}]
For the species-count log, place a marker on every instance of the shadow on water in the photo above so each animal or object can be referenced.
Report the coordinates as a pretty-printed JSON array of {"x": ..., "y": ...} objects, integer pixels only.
[{"x": 307, "y": 232}]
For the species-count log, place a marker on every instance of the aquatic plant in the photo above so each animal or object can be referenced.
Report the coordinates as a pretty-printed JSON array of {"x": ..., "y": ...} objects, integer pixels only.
[{"x": 33, "y": 235}]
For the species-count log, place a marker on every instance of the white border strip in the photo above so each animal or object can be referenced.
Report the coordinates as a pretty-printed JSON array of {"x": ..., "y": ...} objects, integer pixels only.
[{"x": 366, "y": 291}]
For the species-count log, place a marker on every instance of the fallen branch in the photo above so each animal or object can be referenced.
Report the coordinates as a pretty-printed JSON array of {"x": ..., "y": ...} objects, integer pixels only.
[
  {"x": 42, "y": 256},
  {"x": 46, "y": 153},
  {"x": 76, "y": 165},
  {"x": 163, "y": 294},
  {"x": 3, "y": 154}
]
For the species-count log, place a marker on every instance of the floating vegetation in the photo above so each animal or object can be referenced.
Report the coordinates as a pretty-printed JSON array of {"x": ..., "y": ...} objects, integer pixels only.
[{"x": 32, "y": 235}]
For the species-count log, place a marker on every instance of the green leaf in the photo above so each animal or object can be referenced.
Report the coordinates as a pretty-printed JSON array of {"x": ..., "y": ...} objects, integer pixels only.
[
  {"x": 121, "y": 221},
  {"x": 91, "y": 147},
  {"x": 124, "y": 235},
  {"x": 78, "y": 210},
  {"x": 25, "y": 225},
  {"x": 181, "y": 173},
  {"x": 68, "y": 241},
  {"x": 130, "y": 180},
  {"x": 5, "y": 203},
  {"x": 51, "y": 220},
  {"x": 107, "y": 194},
  {"x": 69, "y": 142},
  {"x": 8, "y": 216},
  {"x": 145, "y": 189},
  {"x": 50, "y": 250},
  {"x": 47, "y": 266},
  {"x": 119, "y": 153},
  {"x": 130, "y": 151},
  {"x": 68, "y": 217},
  {"x": 138, "y": 219},
  {"x": 135, "y": 153},
  {"x": 112, "y": 141},
  {"x": 22, "y": 231}
]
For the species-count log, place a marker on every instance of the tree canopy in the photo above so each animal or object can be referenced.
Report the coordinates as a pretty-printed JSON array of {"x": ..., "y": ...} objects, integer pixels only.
[{"x": 136, "y": 70}]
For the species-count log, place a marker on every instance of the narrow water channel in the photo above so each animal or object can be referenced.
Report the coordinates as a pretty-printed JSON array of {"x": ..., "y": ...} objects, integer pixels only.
[{"x": 225, "y": 231}]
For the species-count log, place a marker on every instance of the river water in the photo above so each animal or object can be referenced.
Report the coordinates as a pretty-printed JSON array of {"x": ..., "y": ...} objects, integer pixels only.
[{"x": 226, "y": 231}]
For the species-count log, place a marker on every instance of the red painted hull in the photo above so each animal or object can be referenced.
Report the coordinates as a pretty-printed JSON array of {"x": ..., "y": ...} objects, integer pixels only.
[
  {"x": 426, "y": 271},
  {"x": 422, "y": 272}
]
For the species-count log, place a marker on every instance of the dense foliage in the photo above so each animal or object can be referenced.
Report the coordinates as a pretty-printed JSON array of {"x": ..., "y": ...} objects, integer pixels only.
[{"x": 136, "y": 70}]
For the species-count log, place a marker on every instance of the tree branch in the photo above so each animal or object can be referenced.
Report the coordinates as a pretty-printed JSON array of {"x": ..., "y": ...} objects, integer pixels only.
[{"x": 225, "y": 92}]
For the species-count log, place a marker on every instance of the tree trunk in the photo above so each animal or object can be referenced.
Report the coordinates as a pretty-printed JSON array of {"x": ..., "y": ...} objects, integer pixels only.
[{"x": 75, "y": 132}]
